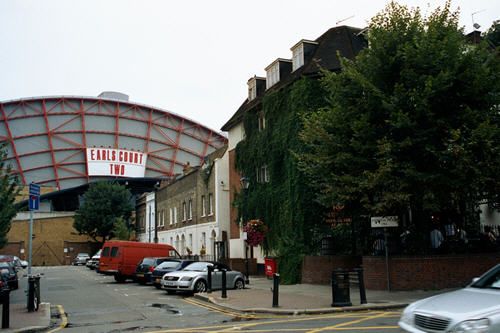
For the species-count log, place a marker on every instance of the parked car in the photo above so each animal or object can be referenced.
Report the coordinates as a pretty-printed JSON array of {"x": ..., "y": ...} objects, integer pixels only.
[
  {"x": 93, "y": 262},
  {"x": 170, "y": 265},
  {"x": 475, "y": 308},
  {"x": 10, "y": 274},
  {"x": 20, "y": 263},
  {"x": 120, "y": 258},
  {"x": 145, "y": 268},
  {"x": 193, "y": 278},
  {"x": 81, "y": 259}
]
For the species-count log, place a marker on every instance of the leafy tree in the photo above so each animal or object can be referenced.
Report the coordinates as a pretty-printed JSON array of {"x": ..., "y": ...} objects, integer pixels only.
[
  {"x": 9, "y": 189},
  {"x": 104, "y": 205},
  {"x": 411, "y": 124},
  {"x": 122, "y": 230},
  {"x": 492, "y": 36}
]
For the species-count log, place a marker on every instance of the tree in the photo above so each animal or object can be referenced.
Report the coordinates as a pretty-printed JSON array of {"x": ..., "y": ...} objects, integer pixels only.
[
  {"x": 9, "y": 189},
  {"x": 411, "y": 124},
  {"x": 492, "y": 36},
  {"x": 122, "y": 230},
  {"x": 104, "y": 204}
]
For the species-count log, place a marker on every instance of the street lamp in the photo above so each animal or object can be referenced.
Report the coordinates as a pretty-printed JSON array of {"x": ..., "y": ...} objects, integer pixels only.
[{"x": 245, "y": 183}]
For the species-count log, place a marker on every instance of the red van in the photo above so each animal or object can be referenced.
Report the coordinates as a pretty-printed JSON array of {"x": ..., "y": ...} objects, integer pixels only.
[{"x": 119, "y": 258}]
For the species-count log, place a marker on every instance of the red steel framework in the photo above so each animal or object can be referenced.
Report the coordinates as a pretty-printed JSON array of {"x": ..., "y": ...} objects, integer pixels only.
[{"x": 156, "y": 120}]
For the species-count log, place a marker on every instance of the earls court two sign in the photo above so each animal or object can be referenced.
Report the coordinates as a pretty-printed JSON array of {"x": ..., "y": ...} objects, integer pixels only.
[{"x": 115, "y": 162}]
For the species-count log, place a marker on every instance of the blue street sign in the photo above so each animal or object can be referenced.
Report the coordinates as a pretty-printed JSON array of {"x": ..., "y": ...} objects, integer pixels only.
[
  {"x": 34, "y": 202},
  {"x": 34, "y": 189}
]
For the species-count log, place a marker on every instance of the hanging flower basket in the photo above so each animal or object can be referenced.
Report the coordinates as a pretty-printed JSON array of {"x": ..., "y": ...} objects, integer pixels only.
[{"x": 256, "y": 232}]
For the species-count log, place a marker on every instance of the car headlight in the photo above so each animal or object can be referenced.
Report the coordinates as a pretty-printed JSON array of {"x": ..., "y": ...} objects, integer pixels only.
[
  {"x": 186, "y": 278},
  {"x": 472, "y": 326},
  {"x": 407, "y": 318}
]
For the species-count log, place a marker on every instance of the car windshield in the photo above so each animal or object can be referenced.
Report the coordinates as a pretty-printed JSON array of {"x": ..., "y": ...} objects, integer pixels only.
[
  {"x": 169, "y": 264},
  {"x": 490, "y": 280},
  {"x": 82, "y": 255},
  {"x": 198, "y": 266}
]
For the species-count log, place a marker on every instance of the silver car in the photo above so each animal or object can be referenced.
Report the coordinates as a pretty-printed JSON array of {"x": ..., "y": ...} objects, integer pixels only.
[
  {"x": 474, "y": 309},
  {"x": 193, "y": 278}
]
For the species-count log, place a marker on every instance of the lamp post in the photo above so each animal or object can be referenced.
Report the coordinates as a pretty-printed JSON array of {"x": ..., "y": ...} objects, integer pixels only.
[{"x": 245, "y": 182}]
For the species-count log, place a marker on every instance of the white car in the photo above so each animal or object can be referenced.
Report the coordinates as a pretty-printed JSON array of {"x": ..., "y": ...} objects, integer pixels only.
[
  {"x": 474, "y": 309},
  {"x": 193, "y": 278}
]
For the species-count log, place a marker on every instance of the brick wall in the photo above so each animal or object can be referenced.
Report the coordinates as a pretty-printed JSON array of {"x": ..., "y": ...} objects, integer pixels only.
[
  {"x": 426, "y": 272},
  {"x": 318, "y": 269},
  {"x": 238, "y": 264}
]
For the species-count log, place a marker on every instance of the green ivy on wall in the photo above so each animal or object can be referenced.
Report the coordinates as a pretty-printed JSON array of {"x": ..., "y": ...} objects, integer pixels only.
[{"x": 286, "y": 203}]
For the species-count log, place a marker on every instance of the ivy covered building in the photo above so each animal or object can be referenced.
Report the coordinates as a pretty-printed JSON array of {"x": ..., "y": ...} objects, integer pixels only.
[{"x": 263, "y": 137}]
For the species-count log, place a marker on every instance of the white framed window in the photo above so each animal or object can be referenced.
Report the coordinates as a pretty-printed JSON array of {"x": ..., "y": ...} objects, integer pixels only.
[
  {"x": 203, "y": 206},
  {"x": 204, "y": 239},
  {"x": 171, "y": 216},
  {"x": 162, "y": 218},
  {"x": 273, "y": 75},
  {"x": 190, "y": 209},
  {"x": 262, "y": 174},
  {"x": 171, "y": 240},
  {"x": 252, "y": 89},
  {"x": 262, "y": 121},
  {"x": 184, "y": 211},
  {"x": 191, "y": 241},
  {"x": 298, "y": 57},
  {"x": 211, "y": 204},
  {"x": 175, "y": 214}
]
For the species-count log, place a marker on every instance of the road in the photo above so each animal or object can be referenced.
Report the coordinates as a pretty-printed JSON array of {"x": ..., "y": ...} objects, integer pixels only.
[{"x": 96, "y": 303}]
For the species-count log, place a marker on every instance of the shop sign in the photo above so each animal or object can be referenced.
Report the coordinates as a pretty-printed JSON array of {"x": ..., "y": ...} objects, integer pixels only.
[
  {"x": 335, "y": 217},
  {"x": 384, "y": 221}
]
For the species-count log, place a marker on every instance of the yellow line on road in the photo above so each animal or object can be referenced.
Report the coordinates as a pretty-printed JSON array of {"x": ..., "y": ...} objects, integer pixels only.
[{"x": 64, "y": 320}]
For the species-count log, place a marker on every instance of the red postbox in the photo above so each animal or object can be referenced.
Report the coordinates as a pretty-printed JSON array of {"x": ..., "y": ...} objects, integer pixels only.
[{"x": 270, "y": 263}]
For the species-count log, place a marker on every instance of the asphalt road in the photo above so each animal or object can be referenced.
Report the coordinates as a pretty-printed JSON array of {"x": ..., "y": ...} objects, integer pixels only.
[{"x": 96, "y": 303}]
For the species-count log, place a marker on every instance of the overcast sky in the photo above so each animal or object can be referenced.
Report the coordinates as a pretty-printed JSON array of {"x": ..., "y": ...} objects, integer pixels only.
[{"x": 192, "y": 58}]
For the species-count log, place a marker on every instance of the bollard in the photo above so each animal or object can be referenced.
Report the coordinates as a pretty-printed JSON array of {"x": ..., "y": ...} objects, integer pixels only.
[
  {"x": 340, "y": 288},
  {"x": 5, "y": 308},
  {"x": 276, "y": 283},
  {"x": 210, "y": 269},
  {"x": 362, "y": 291},
  {"x": 224, "y": 294}
]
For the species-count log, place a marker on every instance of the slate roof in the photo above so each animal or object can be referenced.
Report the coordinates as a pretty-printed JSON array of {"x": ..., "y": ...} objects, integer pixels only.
[{"x": 347, "y": 40}]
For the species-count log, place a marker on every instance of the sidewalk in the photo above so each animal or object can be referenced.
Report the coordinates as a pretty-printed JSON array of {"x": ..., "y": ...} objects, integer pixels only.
[
  {"x": 307, "y": 298},
  {"x": 20, "y": 320}
]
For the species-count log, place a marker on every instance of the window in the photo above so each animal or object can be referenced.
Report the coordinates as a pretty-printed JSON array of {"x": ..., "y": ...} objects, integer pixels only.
[
  {"x": 171, "y": 217},
  {"x": 262, "y": 121},
  {"x": 190, "y": 209},
  {"x": 203, "y": 206},
  {"x": 171, "y": 240},
  {"x": 273, "y": 74},
  {"x": 175, "y": 214},
  {"x": 105, "y": 252},
  {"x": 162, "y": 218},
  {"x": 203, "y": 239},
  {"x": 252, "y": 89},
  {"x": 191, "y": 241},
  {"x": 211, "y": 204},
  {"x": 298, "y": 57},
  {"x": 114, "y": 252},
  {"x": 184, "y": 212},
  {"x": 262, "y": 175}
]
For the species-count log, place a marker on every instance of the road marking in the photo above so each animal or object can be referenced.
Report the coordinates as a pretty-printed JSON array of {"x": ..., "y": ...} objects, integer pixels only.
[
  {"x": 341, "y": 326},
  {"x": 64, "y": 320}
]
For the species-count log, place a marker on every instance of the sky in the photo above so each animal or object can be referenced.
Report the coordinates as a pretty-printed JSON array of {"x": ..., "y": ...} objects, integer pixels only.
[{"x": 192, "y": 57}]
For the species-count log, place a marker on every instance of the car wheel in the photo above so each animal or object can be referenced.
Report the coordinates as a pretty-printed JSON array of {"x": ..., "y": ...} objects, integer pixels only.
[
  {"x": 200, "y": 286},
  {"x": 120, "y": 278},
  {"x": 239, "y": 284}
]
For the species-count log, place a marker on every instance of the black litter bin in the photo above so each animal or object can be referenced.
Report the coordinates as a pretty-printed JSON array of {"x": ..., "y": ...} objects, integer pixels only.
[{"x": 340, "y": 288}]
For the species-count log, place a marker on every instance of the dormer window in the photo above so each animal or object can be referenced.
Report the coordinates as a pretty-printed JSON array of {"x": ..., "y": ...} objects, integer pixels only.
[
  {"x": 252, "y": 89},
  {"x": 273, "y": 74},
  {"x": 277, "y": 71},
  {"x": 298, "y": 57},
  {"x": 301, "y": 52}
]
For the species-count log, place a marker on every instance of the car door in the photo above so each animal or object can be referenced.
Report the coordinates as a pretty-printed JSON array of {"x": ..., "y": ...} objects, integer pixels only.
[{"x": 216, "y": 277}]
